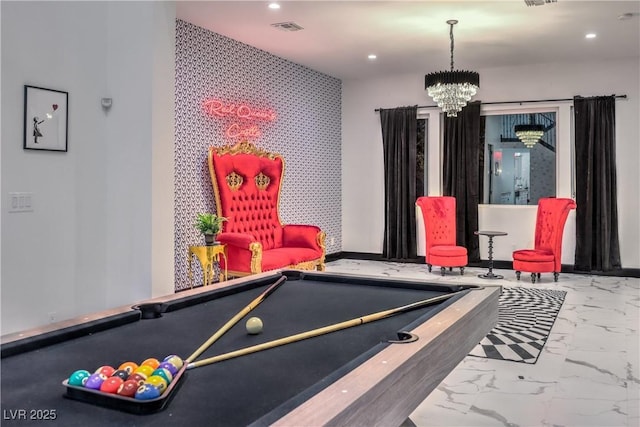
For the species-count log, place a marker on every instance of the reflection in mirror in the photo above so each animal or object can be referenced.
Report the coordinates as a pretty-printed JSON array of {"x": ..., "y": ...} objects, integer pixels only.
[{"x": 514, "y": 173}]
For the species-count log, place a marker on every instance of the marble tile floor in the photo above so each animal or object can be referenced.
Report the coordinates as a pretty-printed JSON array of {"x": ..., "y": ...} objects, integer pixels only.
[{"x": 587, "y": 375}]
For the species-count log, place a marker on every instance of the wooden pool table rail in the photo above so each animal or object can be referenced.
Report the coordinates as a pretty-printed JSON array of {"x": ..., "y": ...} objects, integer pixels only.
[{"x": 387, "y": 389}]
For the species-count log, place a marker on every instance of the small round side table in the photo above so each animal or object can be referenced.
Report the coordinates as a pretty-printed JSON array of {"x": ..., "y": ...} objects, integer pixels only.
[{"x": 490, "y": 235}]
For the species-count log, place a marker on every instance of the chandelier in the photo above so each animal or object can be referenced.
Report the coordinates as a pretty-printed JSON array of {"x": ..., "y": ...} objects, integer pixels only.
[
  {"x": 451, "y": 90},
  {"x": 529, "y": 134}
]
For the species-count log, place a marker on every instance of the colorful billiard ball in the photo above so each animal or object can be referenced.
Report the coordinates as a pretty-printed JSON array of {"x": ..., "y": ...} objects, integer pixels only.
[
  {"x": 153, "y": 362},
  {"x": 174, "y": 360},
  {"x": 128, "y": 366},
  {"x": 164, "y": 373},
  {"x": 147, "y": 392},
  {"x": 105, "y": 370},
  {"x": 121, "y": 373},
  {"x": 158, "y": 382},
  {"x": 254, "y": 325},
  {"x": 137, "y": 377},
  {"x": 79, "y": 377},
  {"x": 145, "y": 370},
  {"x": 95, "y": 381},
  {"x": 128, "y": 388},
  {"x": 169, "y": 367},
  {"x": 111, "y": 384}
]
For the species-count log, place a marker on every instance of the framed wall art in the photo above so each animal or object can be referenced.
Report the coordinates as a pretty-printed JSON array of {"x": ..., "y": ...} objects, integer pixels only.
[{"x": 46, "y": 119}]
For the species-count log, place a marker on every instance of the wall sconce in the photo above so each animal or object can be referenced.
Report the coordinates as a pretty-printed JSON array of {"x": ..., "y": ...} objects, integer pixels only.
[{"x": 106, "y": 103}]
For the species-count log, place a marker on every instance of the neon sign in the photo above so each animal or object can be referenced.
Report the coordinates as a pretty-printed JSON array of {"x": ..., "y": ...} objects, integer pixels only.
[
  {"x": 243, "y": 118},
  {"x": 217, "y": 108}
]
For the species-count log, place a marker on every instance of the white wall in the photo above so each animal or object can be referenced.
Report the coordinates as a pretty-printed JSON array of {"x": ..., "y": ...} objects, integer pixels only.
[
  {"x": 363, "y": 186},
  {"x": 87, "y": 244}
]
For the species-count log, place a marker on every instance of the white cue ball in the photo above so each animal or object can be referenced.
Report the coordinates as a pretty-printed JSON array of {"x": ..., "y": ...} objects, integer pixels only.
[{"x": 254, "y": 325}]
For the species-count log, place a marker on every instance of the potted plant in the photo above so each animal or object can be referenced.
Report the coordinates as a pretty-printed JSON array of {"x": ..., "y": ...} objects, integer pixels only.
[{"x": 210, "y": 225}]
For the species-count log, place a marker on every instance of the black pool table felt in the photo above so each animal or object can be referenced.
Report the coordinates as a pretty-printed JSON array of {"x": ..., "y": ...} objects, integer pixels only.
[{"x": 234, "y": 392}]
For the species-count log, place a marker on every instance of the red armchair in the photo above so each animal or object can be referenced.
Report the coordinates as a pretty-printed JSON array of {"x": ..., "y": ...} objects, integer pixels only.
[
  {"x": 247, "y": 183},
  {"x": 439, "y": 215},
  {"x": 546, "y": 257}
]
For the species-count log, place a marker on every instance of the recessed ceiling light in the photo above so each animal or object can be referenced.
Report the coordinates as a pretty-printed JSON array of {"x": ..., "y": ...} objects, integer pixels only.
[
  {"x": 274, "y": 6},
  {"x": 372, "y": 56},
  {"x": 590, "y": 36}
]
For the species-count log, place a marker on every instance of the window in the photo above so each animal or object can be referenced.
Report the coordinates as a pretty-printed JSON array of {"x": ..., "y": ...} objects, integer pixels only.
[{"x": 513, "y": 174}]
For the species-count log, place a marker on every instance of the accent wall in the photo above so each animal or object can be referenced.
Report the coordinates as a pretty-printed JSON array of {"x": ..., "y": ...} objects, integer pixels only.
[{"x": 306, "y": 132}]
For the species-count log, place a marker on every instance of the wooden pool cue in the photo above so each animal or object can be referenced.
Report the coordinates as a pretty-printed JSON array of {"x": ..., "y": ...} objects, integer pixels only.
[
  {"x": 321, "y": 331},
  {"x": 253, "y": 304}
]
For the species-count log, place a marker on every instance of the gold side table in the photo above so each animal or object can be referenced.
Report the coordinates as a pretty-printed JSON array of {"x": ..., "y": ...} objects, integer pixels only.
[{"x": 207, "y": 256}]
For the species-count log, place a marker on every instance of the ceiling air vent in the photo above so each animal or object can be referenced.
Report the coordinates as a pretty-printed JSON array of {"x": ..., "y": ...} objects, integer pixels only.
[
  {"x": 287, "y": 26},
  {"x": 538, "y": 2}
]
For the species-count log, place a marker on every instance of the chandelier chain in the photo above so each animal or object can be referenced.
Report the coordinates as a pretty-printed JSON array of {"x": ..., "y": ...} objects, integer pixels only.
[{"x": 451, "y": 37}]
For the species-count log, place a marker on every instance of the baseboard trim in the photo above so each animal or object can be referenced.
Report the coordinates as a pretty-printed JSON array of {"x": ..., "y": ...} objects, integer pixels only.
[
  {"x": 503, "y": 265},
  {"x": 367, "y": 256},
  {"x": 622, "y": 272}
]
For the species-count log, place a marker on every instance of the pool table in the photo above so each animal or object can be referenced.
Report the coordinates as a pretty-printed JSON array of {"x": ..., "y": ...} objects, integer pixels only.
[{"x": 355, "y": 376}]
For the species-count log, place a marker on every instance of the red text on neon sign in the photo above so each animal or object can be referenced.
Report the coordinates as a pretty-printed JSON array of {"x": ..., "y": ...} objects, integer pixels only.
[
  {"x": 215, "y": 107},
  {"x": 235, "y": 131}
]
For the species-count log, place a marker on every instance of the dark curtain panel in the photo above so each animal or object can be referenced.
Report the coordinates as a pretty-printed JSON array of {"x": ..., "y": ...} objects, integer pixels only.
[
  {"x": 461, "y": 173},
  {"x": 483, "y": 126},
  {"x": 597, "y": 244},
  {"x": 399, "y": 136}
]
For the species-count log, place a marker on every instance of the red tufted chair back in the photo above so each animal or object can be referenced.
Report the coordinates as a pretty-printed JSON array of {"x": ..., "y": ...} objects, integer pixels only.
[
  {"x": 439, "y": 215},
  {"x": 550, "y": 221},
  {"x": 247, "y": 193}
]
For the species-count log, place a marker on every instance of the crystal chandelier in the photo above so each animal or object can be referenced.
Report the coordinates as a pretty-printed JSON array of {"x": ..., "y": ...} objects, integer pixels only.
[
  {"x": 529, "y": 134},
  {"x": 451, "y": 90}
]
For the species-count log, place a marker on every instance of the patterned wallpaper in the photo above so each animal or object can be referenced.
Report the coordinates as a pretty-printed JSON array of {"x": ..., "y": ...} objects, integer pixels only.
[
  {"x": 307, "y": 132},
  {"x": 543, "y": 166}
]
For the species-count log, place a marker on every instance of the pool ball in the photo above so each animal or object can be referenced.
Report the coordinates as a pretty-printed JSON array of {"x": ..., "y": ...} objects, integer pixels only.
[
  {"x": 121, "y": 373},
  {"x": 164, "y": 373},
  {"x": 106, "y": 370},
  {"x": 158, "y": 382},
  {"x": 254, "y": 325},
  {"x": 137, "y": 377},
  {"x": 128, "y": 388},
  {"x": 153, "y": 362},
  {"x": 169, "y": 367},
  {"x": 145, "y": 370},
  {"x": 111, "y": 384},
  {"x": 147, "y": 392},
  {"x": 128, "y": 366},
  {"x": 95, "y": 381},
  {"x": 79, "y": 378},
  {"x": 174, "y": 360}
]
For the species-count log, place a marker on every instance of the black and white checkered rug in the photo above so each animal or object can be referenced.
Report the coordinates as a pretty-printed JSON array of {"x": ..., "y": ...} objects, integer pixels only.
[{"x": 525, "y": 318}]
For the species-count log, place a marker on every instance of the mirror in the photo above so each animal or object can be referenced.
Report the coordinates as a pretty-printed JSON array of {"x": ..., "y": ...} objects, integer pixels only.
[{"x": 513, "y": 173}]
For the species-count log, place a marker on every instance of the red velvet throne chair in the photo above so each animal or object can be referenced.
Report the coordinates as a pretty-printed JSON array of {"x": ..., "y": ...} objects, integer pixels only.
[
  {"x": 439, "y": 215},
  {"x": 546, "y": 256},
  {"x": 247, "y": 182}
]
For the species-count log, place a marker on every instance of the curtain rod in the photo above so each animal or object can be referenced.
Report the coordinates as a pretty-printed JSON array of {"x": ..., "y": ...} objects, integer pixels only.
[{"x": 518, "y": 102}]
